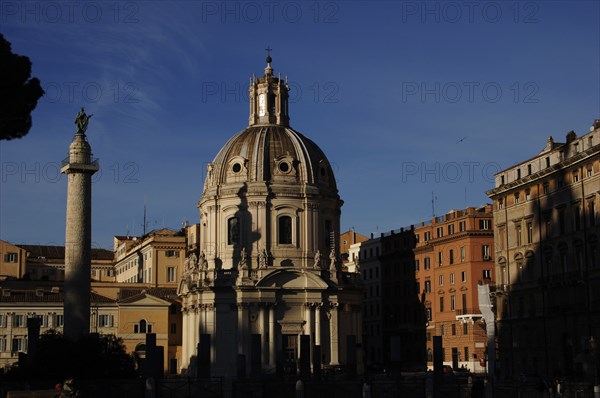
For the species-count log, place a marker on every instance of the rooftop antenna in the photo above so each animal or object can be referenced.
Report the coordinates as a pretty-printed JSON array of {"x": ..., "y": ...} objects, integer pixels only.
[
  {"x": 144, "y": 226},
  {"x": 433, "y": 199}
]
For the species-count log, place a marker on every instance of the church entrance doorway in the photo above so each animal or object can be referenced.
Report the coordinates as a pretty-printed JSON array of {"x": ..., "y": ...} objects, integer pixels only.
[{"x": 290, "y": 353}]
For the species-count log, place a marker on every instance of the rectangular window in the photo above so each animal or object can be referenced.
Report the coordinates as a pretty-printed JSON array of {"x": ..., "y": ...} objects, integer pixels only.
[
  {"x": 19, "y": 321},
  {"x": 442, "y": 304},
  {"x": 463, "y": 253},
  {"x": 416, "y": 264},
  {"x": 464, "y": 303},
  {"x": 527, "y": 194},
  {"x": 453, "y": 327},
  {"x": 451, "y": 259},
  {"x": 576, "y": 218},
  {"x": 518, "y": 174},
  {"x": 427, "y": 264},
  {"x": 528, "y": 173},
  {"x": 518, "y": 235},
  {"x": 517, "y": 197},
  {"x": 3, "y": 321},
  {"x": 285, "y": 230},
  {"x": 43, "y": 320},
  {"x": 169, "y": 253},
  {"x": 465, "y": 328},
  {"x": 427, "y": 286},
  {"x": 500, "y": 203},
  {"x": 19, "y": 344},
  {"x": 487, "y": 274},
  {"x": 440, "y": 258},
  {"x": 427, "y": 236},
  {"x": 170, "y": 274},
  {"x": 105, "y": 321},
  {"x": 11, "y": 258},
  {"x": 428, "y": 313},
  {"x": 485, "y": 224},
  {"x": 575, "y": 176},
  {"x": 450, "y": 229},
  {"x": 59, "y": 321},
  {"x": 463, "y": 276},
  {"x": 485, "y": 252},
  {"x": 442, "y": 330},
  {"x": 440, "y": 232},
  {"x": 529, "y": 232},
  {"x": 233, "y": 231},
  {"x": 452, "y": 278},
  {"x": 441, "y": 280},
  {"x": 462, "y": 226},
  {"x": 2, "y": 344},
  {"x": 561, "y": 220},
  {"x": 453, "y": 304},
  {"x": 467, "y": 348}
]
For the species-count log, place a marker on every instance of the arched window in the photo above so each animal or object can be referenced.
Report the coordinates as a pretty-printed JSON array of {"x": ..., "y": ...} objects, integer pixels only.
[
  {"x": 142, "y": 327},
  {"x": 285, "y": 230},
  {"x": 233, "y": 231}
]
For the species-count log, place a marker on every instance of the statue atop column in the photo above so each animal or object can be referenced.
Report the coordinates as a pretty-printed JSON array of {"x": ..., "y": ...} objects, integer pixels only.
[{"x": 82, "y": 120}]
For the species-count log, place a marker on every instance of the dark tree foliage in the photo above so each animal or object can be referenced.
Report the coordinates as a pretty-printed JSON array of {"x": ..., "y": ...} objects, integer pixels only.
[
  {"x": 90, "y": 358},
  {"x": 19, "y": 93}
]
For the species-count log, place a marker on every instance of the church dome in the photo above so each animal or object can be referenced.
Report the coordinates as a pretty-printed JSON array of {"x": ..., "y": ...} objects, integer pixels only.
[{"x": 275, "y": 154}]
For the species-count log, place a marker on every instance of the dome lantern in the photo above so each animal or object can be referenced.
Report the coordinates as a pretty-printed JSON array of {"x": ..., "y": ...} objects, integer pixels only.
[{"x": 269, "y": 98}]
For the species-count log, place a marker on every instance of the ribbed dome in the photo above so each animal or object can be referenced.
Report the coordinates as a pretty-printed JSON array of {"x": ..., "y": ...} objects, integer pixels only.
[{"x": 275, "y": 154}]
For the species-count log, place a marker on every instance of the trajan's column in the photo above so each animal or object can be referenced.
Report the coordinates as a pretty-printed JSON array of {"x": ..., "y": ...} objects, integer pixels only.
[{"x": 79, "y": 168}]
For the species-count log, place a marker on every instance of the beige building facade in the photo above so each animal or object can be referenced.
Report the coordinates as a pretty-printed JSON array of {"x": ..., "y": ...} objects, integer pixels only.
[
  {"x": 155, "y": 259},
  {"x": 547, "y": 262}
]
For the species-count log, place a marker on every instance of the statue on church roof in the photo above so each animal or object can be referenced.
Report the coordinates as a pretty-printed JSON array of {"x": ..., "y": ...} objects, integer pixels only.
[
  {"x": 317, "y": 263},
  {"x": 263, "y": 258},
  {"x": 202, "y": 263},
  {"x": 243, "y": 264},
  {"x": 332, "y": 258}
]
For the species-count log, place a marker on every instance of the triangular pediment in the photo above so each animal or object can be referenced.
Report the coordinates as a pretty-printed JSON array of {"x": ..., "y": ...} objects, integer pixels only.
[{"x": 144, "y": 299}]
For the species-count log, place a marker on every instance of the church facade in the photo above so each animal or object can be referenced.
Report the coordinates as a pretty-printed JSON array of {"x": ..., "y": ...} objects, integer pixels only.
[{"x": 267, "y": 277}]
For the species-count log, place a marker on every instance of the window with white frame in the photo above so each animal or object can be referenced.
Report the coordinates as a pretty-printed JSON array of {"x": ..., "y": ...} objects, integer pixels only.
[
  {"x": 3, "y": 321},
  {"x": 170, "y": 274},
  {"x": 19, "y": 344},
  {"x": 485, "y": 251},
  {"x": 105, "y": 321},
  {"x": 2, "y": 343},
  {"x": 19, "y": 321},
  {"x": 11, "y": 258},
  {"x": 59, "y": 321}
]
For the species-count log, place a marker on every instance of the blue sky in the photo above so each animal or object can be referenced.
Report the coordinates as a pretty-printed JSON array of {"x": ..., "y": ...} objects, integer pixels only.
[{"x": 406, "y": 98}]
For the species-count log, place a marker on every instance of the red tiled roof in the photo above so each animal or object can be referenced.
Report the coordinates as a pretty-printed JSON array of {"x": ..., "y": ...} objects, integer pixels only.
[
  {"x": 31, "y": 296},
  {"x": 58, "y": 252}
]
